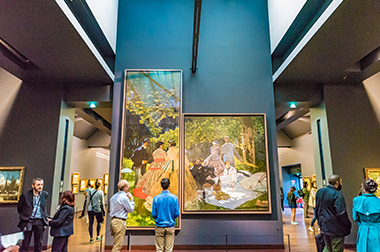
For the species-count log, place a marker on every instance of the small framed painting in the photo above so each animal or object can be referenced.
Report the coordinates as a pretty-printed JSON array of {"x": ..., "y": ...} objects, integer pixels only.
[
  {"x": 83, "y": 185},
  {"x": 105, "y": 189},
  {"x": 106, "y": 178},
  {"x": 92, "y": 182},
  {"x": 373, "y": 173},
  {"x": 101, "y": 183},
  {"x": 75, "y": 189},
  {"x": 75, "y": 178},
  {"x": 11, "y": 182}
]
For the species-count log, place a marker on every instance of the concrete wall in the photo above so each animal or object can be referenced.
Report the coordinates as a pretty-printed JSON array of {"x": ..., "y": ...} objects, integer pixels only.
[
  {"x": 301, "y": 152},
  {"x": 29, "y": 139},
  {"x": 234, "y": 76},
  {"x": 354, "y": 138}
]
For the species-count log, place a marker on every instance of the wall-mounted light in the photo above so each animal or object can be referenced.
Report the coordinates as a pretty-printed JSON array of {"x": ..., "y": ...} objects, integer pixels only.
[
  {"x": 292, "y": 104},
  {"x": 92, "y": 104}
]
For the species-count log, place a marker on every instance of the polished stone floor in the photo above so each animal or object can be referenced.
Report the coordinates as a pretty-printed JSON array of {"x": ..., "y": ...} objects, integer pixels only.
[{"x": 301, "y": 239}]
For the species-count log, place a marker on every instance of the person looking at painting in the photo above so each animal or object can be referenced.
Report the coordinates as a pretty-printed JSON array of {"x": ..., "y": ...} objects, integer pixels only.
[
  {"x": 33, "y": 215},
  {"x": 95, "y": 210},
  {"x": 292, "y": 202},
  {"x": 121, "y": 204},
  {"x": 86, "y": 192},
  {"x": 62, "y": 222},
  {"x": 164, "y": 211},
  {"x": 366, "y": 212},
  {"x": 140, "y": 159},
  {"x": 228, "y": 152}
]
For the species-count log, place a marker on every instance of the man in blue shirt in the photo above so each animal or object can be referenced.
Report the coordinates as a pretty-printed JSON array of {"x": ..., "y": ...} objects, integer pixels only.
[
  {"x": 164, "y": 211},
  {"x": 121, "y": 204}
]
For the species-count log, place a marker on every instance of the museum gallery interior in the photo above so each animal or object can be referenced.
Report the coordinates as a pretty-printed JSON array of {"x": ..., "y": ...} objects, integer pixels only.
[{"x": 261, "y": 95}]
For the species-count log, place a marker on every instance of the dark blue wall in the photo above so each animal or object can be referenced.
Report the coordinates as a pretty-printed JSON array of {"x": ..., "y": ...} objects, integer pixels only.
[{"x": 234, "y": 76}]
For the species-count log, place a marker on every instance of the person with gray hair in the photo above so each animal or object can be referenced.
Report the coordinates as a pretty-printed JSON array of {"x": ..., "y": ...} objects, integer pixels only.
[
  {"x": 332, "y": 215},
  {"x": 121, "y": 204},
  {"x": 33, "y": 214},
  {"x": 366, "y": 212}
]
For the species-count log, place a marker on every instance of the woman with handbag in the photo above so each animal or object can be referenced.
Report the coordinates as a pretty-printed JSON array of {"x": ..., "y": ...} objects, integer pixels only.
[
  {"x": 95, "y": 210},
  {"x": 292, "y": 202},
  {"x": 62, "y": 222},
  {"x": 366, "y": 212}
]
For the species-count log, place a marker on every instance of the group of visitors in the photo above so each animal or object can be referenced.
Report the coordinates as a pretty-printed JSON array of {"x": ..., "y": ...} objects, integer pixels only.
[
  {"x": 330, "y": 211},
  {"x": 34, "y": 218}
]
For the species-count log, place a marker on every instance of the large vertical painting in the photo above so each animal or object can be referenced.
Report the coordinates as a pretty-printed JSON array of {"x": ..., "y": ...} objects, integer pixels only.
[
  {"x": 225, "y": 164},
  {"x": 11, "y": 182},
  {"x": 373, "y": 173},
  {"x": 150, "y": 138}
]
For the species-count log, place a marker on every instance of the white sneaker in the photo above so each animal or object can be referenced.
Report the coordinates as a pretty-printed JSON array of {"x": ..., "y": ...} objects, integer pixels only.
[
  {"x": 294, "y": 223},
  {"x": 311, "y": 229}
]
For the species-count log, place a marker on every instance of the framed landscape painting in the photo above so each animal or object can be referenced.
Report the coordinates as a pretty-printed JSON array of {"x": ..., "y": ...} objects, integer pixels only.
[
  {"x": 373, "y": 173},
  {"x": 225, "y": 165},
  {"x": 11, "y": 182},
  {"x": 75, "y": 178},
  {"x": 150, "y": 139}
]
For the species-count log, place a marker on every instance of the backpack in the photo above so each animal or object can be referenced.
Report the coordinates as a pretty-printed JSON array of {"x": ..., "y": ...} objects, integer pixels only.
[{"x": 300, "y": 193}]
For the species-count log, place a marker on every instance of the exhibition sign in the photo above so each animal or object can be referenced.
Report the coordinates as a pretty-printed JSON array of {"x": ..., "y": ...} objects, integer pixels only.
[
  {"x": 11, "y": 182},
  {"x": 225, "y": 164},
  {"x": 150, "y": 140},
  {"x": 373, "y": 173}
]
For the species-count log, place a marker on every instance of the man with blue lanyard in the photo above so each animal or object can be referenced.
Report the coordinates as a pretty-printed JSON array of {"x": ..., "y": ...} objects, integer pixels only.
[
  {"x": 164, "y": 211},
  {"x": 32, "y": 209}
]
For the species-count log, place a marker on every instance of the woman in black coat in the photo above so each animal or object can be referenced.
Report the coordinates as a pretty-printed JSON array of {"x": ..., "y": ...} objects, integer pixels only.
[{"x": 62, "y": 223}]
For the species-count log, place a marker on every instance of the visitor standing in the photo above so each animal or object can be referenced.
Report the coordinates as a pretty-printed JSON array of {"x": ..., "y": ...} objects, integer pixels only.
[
  {"x": 86, "y": 192},
  {"x": 62, "y": 223},
  {"x": 292, "y": 202},
  {"x": 366, "y": 211},
  {"x": 164, "y": 211},
  {"x": 313, "y": 193},
  {"x": 33, "y": 215},
  {"x": 121, "y": 204},
  {"x": 332, "y": 216},
  {"x": 95, "y": 210},
  {"x": 305, "y": 197}
]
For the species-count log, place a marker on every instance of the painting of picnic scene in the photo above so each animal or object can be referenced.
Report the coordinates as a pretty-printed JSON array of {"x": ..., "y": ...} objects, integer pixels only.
[
  {"x": 226, "y": 156},
  {"x": 151, "y": 139}
]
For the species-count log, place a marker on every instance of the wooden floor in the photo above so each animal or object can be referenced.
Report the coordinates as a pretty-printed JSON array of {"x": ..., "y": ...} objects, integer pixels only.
[{"x": 301, "y": 239}]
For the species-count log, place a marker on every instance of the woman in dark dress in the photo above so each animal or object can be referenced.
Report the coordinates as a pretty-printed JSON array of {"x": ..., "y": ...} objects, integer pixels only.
[
  {"x": 292, "y": 201},
  {"x": 62, "y": 223}
]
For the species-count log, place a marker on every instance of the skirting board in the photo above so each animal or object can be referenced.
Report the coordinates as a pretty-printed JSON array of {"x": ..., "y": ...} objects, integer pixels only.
[{"x": 202, "y": 247}]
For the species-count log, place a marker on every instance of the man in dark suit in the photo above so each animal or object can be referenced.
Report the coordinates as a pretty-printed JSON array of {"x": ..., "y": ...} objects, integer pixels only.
[
  {"x": 140, "y": 158},
  {"x": 33, "y": 216}
]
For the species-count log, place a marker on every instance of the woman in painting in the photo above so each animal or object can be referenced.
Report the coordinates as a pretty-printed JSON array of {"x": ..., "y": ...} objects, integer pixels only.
[
  {"x": 146, "y": 183},
  {"x": 292, "y": 202},
  {"x": 171, "y": 171},
  {"x": 214, "y": 159},
  {"x": 366, "y": 211}
]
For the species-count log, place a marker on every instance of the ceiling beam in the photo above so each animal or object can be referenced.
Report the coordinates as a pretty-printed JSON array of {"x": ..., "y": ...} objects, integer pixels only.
[
  {"x": 291, "y": 116},
  {"x": 197, "y": 21}
]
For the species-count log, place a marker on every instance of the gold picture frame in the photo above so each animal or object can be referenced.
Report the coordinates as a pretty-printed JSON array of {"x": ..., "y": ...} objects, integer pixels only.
[
  {"x": 373, "y": 173},
  {"x": 100, "y": 180},
  {"x": 83, "y": 185},
  {"x": 11, "y": 183},
  {"x": 106, "y": 178},
  {"x": 92, "y": 182},
  {"x": 75, "y": 178},
  {"x": 105, "y": 189},
  {"x": 75, "y": 189}
]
